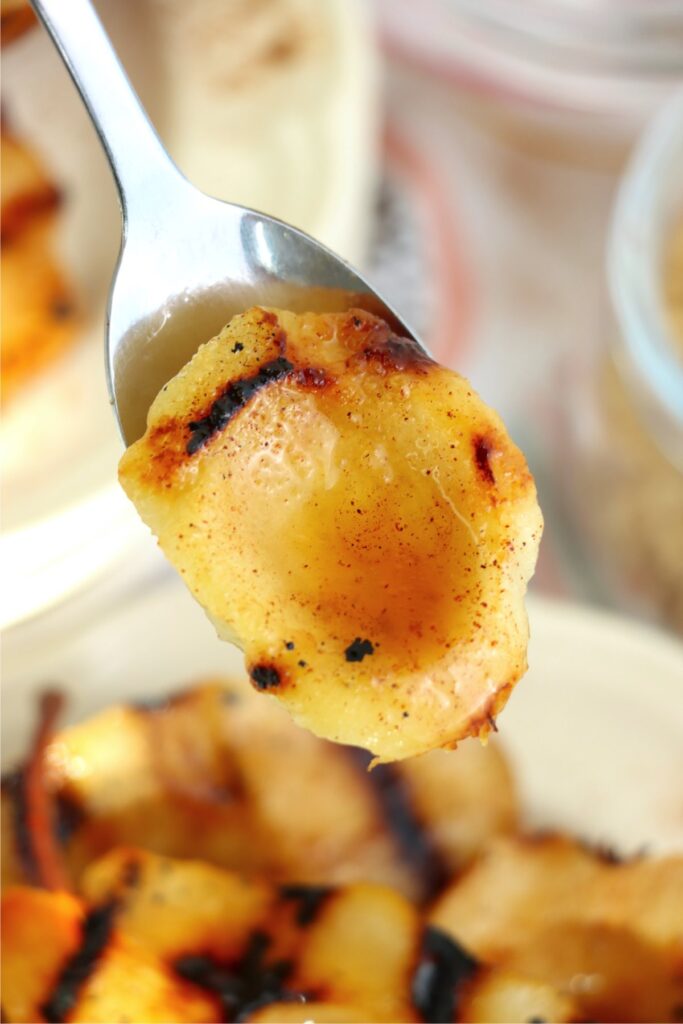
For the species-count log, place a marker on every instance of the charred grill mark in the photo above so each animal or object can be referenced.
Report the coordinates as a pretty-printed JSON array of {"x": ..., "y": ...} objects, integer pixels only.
[
  {"x": 482, "y": 454},
  {"x": 265, "y": 677},
  {"x": 310, "y": 899},
  {"x": 358, "y": 649},
  {"x": 412, "y": 839},
  {"x": 442, "y": 968},
  {"x": 95, "y": 935},
  {"x": 234, "y": 398},
  {"x": 13, "y": 787},
  {"x": 244, "y": 986}
]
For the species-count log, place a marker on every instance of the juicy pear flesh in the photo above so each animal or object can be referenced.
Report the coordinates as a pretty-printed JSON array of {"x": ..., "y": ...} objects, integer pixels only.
[{"x": 354, "y": 517}]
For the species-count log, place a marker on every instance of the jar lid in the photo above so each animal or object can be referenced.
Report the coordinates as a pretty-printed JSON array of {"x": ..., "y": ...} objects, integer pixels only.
[{"x": 595, "y": 57}]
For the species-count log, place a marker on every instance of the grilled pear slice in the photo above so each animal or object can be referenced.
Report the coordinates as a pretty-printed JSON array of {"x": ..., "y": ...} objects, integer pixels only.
[
  {"x": 62, "y": 960},
  {"x": 360, "y": 949},
  {"x": 354, "y": 517},
  {"x": 161, "y": 940},
  {"x": 38, "y": 310},
  {"x": 549, "y": 879},
  {"x": 219, "y": 774},
  {"x": 549, "y": 908}
]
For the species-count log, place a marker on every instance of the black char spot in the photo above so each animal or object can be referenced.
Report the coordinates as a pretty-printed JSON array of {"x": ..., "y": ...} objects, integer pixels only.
[
  {"x": 265, "y": 677},
  {"x": 441, "y": 970},
  {"x": 358, "y": 649}
]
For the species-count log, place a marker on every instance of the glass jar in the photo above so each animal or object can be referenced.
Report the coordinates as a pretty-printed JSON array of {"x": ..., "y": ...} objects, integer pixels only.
[
  {"x": 567, "y": 78},
  {"x": 625, "y": 433}
]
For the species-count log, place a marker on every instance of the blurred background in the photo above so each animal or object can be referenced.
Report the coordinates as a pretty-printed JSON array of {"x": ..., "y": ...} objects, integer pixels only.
[{"x": 509, "y": 174}]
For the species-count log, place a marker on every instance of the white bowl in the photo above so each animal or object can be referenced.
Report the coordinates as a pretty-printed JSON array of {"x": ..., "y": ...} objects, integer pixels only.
[{"x": 594, "y": 731}]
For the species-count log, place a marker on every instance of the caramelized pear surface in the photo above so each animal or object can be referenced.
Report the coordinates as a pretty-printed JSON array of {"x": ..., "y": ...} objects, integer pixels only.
[{"x": 354, "y": 517}]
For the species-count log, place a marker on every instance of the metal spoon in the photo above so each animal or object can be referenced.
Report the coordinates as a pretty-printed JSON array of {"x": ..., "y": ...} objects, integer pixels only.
[{"x": 188, "y": 262}]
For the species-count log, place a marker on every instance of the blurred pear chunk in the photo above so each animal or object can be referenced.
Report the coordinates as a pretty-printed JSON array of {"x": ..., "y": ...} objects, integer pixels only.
[
  {"x": 38, "y": 310},
  {"x": 354, "y": 517},
  {"x": 155, "y": 939},
  {"x": 578, "y": 920}
]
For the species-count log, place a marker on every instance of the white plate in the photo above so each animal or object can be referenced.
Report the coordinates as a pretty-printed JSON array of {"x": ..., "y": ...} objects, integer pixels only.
[
  {"x": 272, "y": 105},
  {"x": 595, "y": 730}
]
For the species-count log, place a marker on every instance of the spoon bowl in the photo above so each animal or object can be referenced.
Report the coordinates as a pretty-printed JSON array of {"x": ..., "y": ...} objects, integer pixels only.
[
  {"x": 188, "y": 262},
  {"x": 224, "y": 259}
]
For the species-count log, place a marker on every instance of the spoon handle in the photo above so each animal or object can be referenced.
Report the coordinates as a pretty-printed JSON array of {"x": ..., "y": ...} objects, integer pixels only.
[{"x": 143, "y": 171}]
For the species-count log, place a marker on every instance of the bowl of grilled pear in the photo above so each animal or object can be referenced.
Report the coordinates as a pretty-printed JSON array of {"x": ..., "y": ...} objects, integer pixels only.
[{"x": 189, "y": 853}]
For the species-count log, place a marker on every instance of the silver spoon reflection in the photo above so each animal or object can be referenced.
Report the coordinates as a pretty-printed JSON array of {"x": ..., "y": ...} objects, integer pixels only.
[{"x": 188, "y": 262}]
